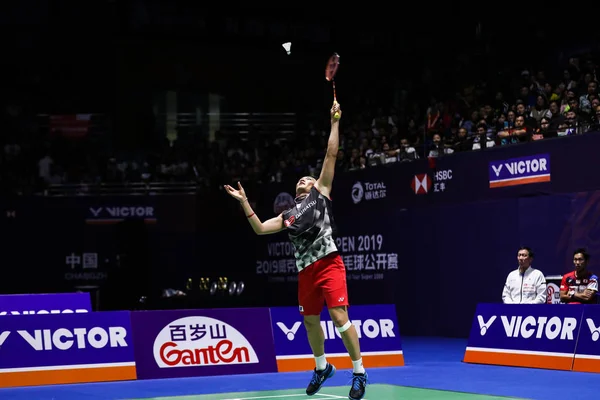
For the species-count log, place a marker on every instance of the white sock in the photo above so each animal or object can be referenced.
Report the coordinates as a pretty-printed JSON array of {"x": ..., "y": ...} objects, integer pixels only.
[
  {"x": 357, "y": 366},
  {"x": 321, "y": 362}
]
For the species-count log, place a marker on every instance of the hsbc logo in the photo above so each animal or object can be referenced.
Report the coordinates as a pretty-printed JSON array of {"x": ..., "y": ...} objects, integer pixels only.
[{"x": 421, "y": 184}]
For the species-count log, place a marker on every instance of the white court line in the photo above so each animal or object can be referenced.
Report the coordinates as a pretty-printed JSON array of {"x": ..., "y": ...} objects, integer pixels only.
[
  {"x": 280, "y": 396},
  {"x": 334, "y": 396}
]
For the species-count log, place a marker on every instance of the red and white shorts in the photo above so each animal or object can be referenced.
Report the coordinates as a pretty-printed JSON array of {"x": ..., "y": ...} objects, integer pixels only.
[{"x": 324, "y": 281}]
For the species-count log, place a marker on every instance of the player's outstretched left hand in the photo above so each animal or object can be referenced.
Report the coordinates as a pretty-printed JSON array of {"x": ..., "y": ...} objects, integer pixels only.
[{"x": 239, "y": 194}]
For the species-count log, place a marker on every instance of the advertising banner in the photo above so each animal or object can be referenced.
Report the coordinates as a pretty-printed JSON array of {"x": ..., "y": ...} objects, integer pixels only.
[
  {"x": 520, "y": 171},
  {"x": 587, "y": 354},
  {"x": 47, "y": 303},
  {"x": 524, "y": 335},
  {"x": 377, "y": 328},
  {"x": 185, "y": 343},
  {"x": 66, "y": 348}
]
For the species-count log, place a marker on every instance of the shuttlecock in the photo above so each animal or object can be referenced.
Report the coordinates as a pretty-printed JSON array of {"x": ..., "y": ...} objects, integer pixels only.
[{"x": 288, "y": 47}]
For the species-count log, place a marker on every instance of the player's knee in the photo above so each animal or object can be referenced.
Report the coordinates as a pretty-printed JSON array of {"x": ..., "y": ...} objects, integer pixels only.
[{"x": 339, "y": 316}]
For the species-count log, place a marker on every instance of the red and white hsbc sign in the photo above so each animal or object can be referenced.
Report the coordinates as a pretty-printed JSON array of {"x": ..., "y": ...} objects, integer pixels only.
[{"x": 423, "y": 183}]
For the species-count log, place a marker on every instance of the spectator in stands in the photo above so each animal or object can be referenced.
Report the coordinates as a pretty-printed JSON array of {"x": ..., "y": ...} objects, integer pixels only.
[
  {"x": 572, "y": 124},
  {"x": 461, "y": 142},
  {"x": 438, "y": 148},
  {"x": 592, "y": 90},
  {"x": 406, "y": 152},
  {"x": 522, "y": 111},
  {"x": 540, "y": 110},
  {"x": 581, "y": 285},
  {"x": 525, "y": 285},
  {"x": 520, "y": 133},
  {"x": 544, "y": 131},
  {"x": 482, "y": 135}
]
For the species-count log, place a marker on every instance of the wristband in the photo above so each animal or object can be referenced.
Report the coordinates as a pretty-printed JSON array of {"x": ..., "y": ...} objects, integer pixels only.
[{"x": 249, "y": 216}]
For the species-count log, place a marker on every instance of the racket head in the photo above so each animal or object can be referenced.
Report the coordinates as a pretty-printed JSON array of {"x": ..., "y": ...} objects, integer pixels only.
[{"x": 332, "y": 66}]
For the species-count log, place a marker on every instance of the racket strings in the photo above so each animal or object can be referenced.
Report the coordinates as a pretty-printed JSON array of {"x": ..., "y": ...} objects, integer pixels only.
[{"x": 330, "y": 71}]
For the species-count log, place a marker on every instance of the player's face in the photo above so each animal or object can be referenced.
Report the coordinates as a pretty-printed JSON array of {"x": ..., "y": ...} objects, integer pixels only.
[
  {"x": 579, "y": 262},
  {"x": 304, "y": 185},
  {"x": 523, "y": 258}
]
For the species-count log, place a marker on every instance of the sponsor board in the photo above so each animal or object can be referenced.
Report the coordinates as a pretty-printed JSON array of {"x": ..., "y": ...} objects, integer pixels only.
[
  {"x": 376, "y": 325},
  {"x": 524, "y": 335},
  {"x": 520, "y": 171},
  {"x": 114, "y": 214},
  {"x": 185, "y": 343},
  {"x": 66, "y": 348},
  {"x": 587, "y": 357},
  {"x": 368, "y": 191},
  {"x": 436, "y": 182},
  {"x": 50, "y": 303}
]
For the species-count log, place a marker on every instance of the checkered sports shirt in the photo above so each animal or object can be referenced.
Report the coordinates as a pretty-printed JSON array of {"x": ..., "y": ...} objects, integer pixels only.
[{"x": 311, "y": 228}]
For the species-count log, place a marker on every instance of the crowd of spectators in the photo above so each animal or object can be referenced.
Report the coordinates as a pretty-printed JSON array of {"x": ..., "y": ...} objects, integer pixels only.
[{"x": 536, "y": 107}]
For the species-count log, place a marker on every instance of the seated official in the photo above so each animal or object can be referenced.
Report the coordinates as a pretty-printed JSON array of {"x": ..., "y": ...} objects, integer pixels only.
[
  {"x": 525, "y": 285},
  {"x": 581, "y": 285}
]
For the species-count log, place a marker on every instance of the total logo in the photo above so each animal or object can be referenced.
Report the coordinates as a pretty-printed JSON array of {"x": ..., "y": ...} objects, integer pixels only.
[
  {"x": 34, "y": 312},
  {"x": 526, "y": 327},
  {"x": 65, "y": 339},
  {"x": 368, "y": 191},
  {"x": 422, "y": 183},
  {"x": 370, "y": 329},
  {"x": 201, "y": 341}
]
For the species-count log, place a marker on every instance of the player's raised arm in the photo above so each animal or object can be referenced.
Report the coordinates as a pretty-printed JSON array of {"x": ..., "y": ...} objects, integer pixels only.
[
  {"x": 328, "y": 169},
  {"x": 272, "y": 225}
]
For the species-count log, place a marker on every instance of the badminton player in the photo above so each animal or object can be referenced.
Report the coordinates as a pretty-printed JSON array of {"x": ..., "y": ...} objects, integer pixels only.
[{"x": 322, "y": 274}]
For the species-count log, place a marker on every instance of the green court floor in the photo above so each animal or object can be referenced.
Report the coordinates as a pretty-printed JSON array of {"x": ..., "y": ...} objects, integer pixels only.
[{"x": 374, "y": 392}]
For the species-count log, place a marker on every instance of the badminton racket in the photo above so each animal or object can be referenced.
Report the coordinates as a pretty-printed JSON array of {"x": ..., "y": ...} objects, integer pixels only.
[{"x": 330, "y": 70}]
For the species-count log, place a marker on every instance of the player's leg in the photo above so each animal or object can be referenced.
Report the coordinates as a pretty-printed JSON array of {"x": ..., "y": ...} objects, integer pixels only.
[
  {"x": 339, "y": 316},
  {"x": 316, "y": 339},
  {"x": 335, "y": 292},
  {"x": 311, "y": 303}
]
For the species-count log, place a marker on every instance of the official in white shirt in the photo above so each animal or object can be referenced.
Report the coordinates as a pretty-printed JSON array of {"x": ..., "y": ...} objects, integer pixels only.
[{"x": 525, "y": 285}]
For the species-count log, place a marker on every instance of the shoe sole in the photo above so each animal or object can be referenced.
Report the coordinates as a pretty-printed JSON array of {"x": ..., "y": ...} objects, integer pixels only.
[{"x": 331, "y": 374}]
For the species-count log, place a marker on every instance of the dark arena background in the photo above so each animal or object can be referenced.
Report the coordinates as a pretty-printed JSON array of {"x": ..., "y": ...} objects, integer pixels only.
[{"x": 121, "y": 121}]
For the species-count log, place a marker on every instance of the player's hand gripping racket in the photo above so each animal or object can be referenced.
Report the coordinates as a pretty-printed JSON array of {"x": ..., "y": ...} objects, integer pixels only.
[{"x": 330, "y": 70}]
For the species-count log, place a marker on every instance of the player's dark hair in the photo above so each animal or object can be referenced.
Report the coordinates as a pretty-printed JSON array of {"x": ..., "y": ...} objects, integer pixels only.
[
  {"x": 529, "y": 251},
  {"x": 583, "y": 252}
]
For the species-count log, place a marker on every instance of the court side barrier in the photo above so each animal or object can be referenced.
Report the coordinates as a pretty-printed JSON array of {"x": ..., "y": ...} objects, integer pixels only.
[
  {"x": 587, "y": 353},
  {"x": 46, "y": 349},
  {"x": 377, "y": 328},
  {"x": 186, "y": 343},
  {"x": 563, "y": 337},
  {"x": 45, "y": 303}
]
